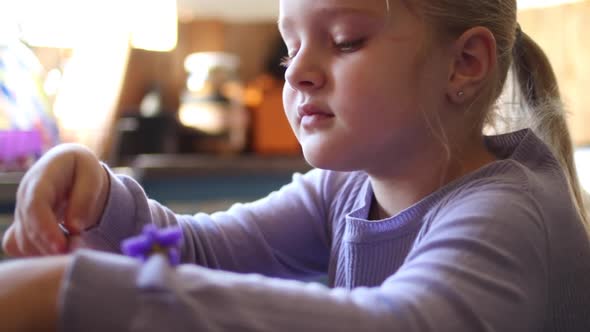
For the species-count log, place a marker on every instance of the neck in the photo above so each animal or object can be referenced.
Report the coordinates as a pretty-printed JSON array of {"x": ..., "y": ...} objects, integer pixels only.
[{"x": 425, "y": 173}]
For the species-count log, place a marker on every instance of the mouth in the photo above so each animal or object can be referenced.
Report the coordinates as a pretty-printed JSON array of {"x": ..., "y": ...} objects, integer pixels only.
[
  {"x": 310, "y": 110},
  {"x": 313, "y": 117}
]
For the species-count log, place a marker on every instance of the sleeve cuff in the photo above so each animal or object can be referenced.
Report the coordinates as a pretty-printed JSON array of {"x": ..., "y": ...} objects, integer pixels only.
[
  {"x": 92, "y": 300},
  {"x": 119, "y": 219}
]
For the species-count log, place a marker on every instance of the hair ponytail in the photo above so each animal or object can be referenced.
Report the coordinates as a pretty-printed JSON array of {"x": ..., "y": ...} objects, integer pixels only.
[
  {"x": 545, "y": 113},
  {"x": 539, "y": 105}
]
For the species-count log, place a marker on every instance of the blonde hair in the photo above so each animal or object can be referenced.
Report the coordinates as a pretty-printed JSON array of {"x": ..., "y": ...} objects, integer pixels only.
[{"x": 540, "y": 105}]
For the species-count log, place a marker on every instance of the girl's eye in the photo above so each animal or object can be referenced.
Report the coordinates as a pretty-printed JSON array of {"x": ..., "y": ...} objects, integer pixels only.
[{"x": 350, "y": 46}]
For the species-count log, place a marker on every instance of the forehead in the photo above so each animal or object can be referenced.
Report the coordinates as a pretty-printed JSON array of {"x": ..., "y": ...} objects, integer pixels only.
[
  {"x": 346, "y": 3},
  {"x": 292, "y": 9}
]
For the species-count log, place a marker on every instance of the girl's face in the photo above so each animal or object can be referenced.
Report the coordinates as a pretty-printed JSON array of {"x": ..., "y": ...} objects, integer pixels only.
[{"x": 359, "y": 81}]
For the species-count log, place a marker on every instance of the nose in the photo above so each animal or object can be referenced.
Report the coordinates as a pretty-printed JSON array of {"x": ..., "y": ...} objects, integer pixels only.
[{"x": 305, "y": 73}]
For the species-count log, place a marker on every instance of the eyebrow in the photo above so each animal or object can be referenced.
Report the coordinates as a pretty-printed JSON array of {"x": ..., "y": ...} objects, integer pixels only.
[{"x": 285, "y": 23}]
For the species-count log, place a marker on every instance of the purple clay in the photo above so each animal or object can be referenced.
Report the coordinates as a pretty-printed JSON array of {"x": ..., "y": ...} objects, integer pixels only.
[{"x": 154, "y": 241}]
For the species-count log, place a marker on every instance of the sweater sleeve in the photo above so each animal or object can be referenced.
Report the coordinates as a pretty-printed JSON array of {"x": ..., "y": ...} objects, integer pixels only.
[
  {"x": 481, "y": 266},
  {"x": 284, "y": 234}
]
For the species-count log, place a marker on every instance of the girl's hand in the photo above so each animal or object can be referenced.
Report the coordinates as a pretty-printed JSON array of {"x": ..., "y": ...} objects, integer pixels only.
[
  {"x": 29, "y": 293},
  {"x": 66, "y": 186}
]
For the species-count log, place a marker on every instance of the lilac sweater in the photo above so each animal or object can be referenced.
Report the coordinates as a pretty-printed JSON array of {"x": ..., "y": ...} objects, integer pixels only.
[{"x": 501, "y": 249}]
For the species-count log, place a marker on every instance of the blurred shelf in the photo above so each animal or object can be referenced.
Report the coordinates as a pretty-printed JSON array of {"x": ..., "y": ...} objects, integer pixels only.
[
  {"x": 8, "y": 185},
  {"x": 5, "y": 220},
  {"x": 207, "y": 183},
  {"x": 164, "y": 165}
]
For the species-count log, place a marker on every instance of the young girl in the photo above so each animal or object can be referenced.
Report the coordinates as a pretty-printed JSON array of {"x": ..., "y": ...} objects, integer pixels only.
[{"x": 420, "y": 222}]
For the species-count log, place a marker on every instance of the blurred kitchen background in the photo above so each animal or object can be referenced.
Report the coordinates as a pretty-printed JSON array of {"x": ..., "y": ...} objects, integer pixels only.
[{"x": 185, "y": 95}]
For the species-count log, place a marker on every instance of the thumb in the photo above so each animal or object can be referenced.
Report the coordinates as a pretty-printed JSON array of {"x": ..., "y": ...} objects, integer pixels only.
[{"x": 9, "y": 245}]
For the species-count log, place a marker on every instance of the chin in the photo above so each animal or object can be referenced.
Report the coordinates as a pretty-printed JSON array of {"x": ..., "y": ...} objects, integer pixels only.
[
  {"x": 325, "y": 158},
  {"x": 315, "y": 156}
]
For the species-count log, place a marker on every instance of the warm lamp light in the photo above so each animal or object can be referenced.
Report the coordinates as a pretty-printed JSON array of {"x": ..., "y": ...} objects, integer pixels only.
[
  {"x": 212, "y": 102},
  {"x": 155, "y": 25},
  {"x": 208, "y": 117},
  {"x": 149, "y": 24},
  {"x": 61, "y": 23}
]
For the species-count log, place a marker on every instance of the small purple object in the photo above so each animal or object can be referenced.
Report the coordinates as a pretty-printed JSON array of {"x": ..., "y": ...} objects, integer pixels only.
[
  {"x": 154, "y": 241},
  {"x": 15, "y": 144}
]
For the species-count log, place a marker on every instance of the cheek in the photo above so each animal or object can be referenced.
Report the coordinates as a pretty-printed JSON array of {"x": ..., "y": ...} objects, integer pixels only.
[
  {"x": 288, "y": 100},
  {"x": 371, "y": 91},
  {"x": 381, "y": 100},
  {"x": 368, "y": 83},
  {"x": 290, "y": 106}
]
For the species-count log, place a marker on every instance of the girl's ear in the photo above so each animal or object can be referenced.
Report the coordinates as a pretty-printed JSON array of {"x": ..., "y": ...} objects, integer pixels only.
[{"x": 474, "y": 59}]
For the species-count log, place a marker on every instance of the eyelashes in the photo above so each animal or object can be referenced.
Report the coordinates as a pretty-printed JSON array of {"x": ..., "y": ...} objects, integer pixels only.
[
  {"x": 286, "y": 61},
  {"x": 350, "y": 46},
  {"x": 340, "y": 47}
]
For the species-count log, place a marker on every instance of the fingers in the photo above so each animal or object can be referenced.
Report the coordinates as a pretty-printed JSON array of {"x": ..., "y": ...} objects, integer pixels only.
[
  {"x": 16, "y": 244},
  {"x": 66, "y": 185},
  {"x": 41, "y": 229},
  {"x": 87, "y": 197},
  {"x": 82, "y": 203},
  {"x": 76, "y": 242},
  {"x": 40, "y": 235},
  {"x": 9, "y": 245},
  {"x": 37, "y": 213}
]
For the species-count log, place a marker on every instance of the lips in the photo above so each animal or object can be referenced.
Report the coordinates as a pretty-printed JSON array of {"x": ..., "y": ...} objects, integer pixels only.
[
  {"x": 312, "y": 117},
  {"x": 312, "y": 110}
]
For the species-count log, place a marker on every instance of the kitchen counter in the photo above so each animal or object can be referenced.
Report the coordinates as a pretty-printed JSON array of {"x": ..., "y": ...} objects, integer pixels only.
[
  {"x": 204, "y": 183},
  {"x": 158, "y": 165}
]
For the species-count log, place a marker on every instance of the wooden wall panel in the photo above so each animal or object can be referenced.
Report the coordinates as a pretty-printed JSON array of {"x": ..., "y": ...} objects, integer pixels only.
[{"x": 253, "y": 42}]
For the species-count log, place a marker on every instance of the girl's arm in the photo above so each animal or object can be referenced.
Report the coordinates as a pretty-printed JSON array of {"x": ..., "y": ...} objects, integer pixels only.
[
  {"x": 473, "y": 271},
  {"x": 29, "y": 293},
  {"x": 284, "y": 234}
]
